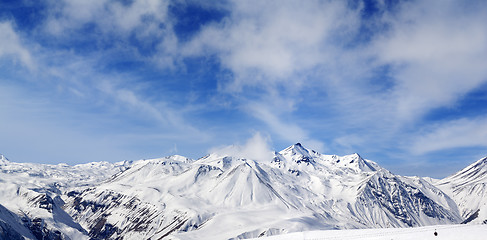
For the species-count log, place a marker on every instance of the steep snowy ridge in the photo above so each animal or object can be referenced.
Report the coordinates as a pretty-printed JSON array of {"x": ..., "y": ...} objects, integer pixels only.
[
  {"x": 468, "y": 188},
  {"x": 406, "y": 203},
  {"x": 216, "y": 197}
]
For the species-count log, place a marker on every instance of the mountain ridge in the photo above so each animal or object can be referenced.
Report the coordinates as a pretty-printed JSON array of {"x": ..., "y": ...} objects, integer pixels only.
[{"x": 180, "y": 198}]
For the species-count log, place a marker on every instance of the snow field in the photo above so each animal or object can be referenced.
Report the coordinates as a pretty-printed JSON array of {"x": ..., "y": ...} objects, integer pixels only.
[{"x": 445, "y": 232}]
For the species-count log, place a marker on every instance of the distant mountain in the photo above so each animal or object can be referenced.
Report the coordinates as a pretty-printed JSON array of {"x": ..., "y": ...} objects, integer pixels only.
[
  {"x": 468, "y": 188},
  {"x": 215, "y": 197}
]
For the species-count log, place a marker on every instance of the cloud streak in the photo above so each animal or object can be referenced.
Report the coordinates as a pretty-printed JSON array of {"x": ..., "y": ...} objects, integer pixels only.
[
  {"x": 453, "y": 134},
  {"x": 11, "y": 46}
]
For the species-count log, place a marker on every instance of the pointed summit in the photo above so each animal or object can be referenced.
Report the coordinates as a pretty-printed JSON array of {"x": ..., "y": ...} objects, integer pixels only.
[
  {"x": 296, "y": 149},
  {"x": 356, "y": 161},
  {"x": 297, "y": 153}
]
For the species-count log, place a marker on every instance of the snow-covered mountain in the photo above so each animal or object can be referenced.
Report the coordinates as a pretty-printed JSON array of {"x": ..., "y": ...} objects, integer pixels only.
[
  {"x": 468, "y": 188},
  {"x": 31, "y": 204},
  {"x": 215, "y": 197}
]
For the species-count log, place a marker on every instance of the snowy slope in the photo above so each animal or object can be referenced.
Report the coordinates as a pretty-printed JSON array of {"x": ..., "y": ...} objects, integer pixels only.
[{"x": 468, "y": 188}]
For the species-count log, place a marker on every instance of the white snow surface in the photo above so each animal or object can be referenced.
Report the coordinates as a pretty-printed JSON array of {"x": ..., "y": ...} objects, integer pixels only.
[{"x": 444, "y": 232}]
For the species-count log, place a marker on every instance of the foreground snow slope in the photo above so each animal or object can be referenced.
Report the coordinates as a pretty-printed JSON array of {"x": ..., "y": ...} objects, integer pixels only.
[{"x": 450, "y": 232}]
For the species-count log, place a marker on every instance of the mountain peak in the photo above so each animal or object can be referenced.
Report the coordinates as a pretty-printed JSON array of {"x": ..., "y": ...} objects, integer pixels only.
[
  {"x": 474, "y": 172},
  {"x": 356, "y": 160},
  {"x": 3, "y": 158},
  {"x": 296, "y": 150}
]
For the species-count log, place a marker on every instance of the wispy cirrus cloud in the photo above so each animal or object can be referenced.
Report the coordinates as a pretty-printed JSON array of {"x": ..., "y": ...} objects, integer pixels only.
[
  {"x": 282, "y": 125},
  {"x": 12, "y": 47},
  {"x": 437, "y": 53},
  {"x": 70, "y": 104},
  {"x": 464, "y": 132}
]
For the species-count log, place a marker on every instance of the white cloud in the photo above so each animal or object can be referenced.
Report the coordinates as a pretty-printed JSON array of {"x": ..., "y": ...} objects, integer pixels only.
[
  {"x": 159, "y": 111},
  {"x": 458, "y": 133},
  {"x": 11, "y": 46},
  {"x": 130, "y": 17},
  {"x": 117, "y": 93},
  {"x": 272, "y": 116},
  {"x": 256, "y": 148},
  {"x": 439, "y": 54},
  {"x": 109, "y": 16},
  {"x": 116, "y": 24},
  {"x": 263, "y": 42}
]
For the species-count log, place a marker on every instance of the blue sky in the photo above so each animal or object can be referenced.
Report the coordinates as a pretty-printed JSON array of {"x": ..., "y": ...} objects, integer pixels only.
[{"x": 403, "y": 83}]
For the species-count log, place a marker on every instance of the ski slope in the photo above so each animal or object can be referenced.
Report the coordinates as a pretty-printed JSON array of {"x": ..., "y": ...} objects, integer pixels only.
[{"x": 445, "y": 232}]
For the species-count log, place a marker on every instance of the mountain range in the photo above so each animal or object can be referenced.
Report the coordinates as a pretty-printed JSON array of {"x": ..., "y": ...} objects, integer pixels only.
[{"x": 221, "y": 196}]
